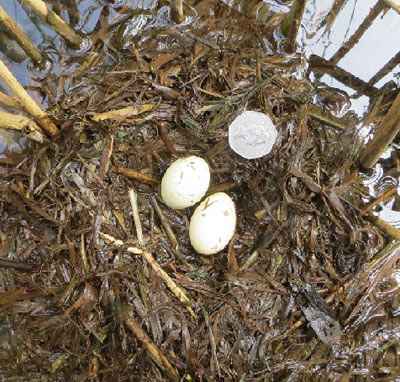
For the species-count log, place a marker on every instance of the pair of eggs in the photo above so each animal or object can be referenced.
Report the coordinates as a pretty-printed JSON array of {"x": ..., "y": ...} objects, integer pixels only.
[{"x": 213, "y": 222}]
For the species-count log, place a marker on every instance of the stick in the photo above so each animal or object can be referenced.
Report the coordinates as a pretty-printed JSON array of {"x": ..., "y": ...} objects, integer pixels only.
[
  {"x": 387, "y": 68},
  {"x": 170, "y": 233},
  {"x": 355, "y": 38},
  {"x": 390, "y": 230},
  {"x": 16, "y": 122},
  {"x": 384, "y": 135},
  {"x": 213, "y": 344},
  {"x": 154, "y": 352},
  {"x": 395, "y": 5},
  {"x": 320, "y": 65},
  {"x": 23, "y": 267},
  {"x": 20, "y": 36},
  {"x": 133, "y": 174},
  {"x": 164, "y": 222},
  {"x": 386, "y": 195},
  {"x": 175, "y": 289},
  {"x": 292, "y": 23},
  {"x": 178, "y": 14},
  {"x": 8, "y": 101},
  {"x": 136, "y": 217},
  {"x": 334, "y": 11},
  {"x": 20, "y": 122},
  {"x": 50, "y": 17},
  {"x": 26, "y": 101},
  {"x": 324, "y": 116}
]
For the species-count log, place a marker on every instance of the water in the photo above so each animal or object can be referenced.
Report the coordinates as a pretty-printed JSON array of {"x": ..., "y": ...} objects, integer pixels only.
[{"x": 364, "y": 60}]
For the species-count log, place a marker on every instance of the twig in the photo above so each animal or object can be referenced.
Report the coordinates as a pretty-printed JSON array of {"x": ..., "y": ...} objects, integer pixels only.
[
  {"x": 20, "y": 122},
  {"x": 213, "y": 345},
  {"x": 164, "y": 222},
  {"x": 384, "y": 135},
  {"x": 27, "y": 102},
  {"x": 20, "y": 36},
  {"x": 292, "y": 23},
  {"x": 178, "y": 14},
  {"x": 8, "y": 101},
  {"x": 326, "y": 117},
  {"x": 387, "y": 68},
  {"x": 106, "y": 157},
  {"x": 175, "y": 289},
  {"x": 170, "y": 233},
  {"x": 390, "y": 230},
  {"x": 133, "y": 174},
  {"x": 266, "y": 240},
  {"x": 389, "y": 193},
  {"x": 23, "y": 267},
  {"x": 355, "y": 38},
  {"x": 50, "y": 17},
  {"x": 320, "y": 65},
  {"x": 136, "y": 217},
  {"x": 334, "y": 11},
  {"x": 154, "y": 352},
  {"x": 84, "y": 255},
  {"x": 222, "y": 187},
  {"x": 395, "y": 5}
]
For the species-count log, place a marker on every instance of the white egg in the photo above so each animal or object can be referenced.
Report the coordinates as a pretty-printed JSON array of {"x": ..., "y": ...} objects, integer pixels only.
[
  {"x": 185, "y": 182},
  {"x": 213, "y": 224}
]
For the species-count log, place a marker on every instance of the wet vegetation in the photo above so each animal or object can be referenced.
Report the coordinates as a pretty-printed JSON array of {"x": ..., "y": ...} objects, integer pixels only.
[{"x": 308, "y": 289}]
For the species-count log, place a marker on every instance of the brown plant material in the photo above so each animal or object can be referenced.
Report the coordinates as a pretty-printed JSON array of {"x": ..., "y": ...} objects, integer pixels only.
[
  {"x": 154, "y": 352},
  {"x": 22, "y": 123},
  {"x": 384, "y": 135},
  {"x": 122, "y": 114},
  {"x": 304, "y": 267},
  {"x": 355, "y": 38},
  {"x": 26, "y": 101},
  {"x": 133, "y": 174}
]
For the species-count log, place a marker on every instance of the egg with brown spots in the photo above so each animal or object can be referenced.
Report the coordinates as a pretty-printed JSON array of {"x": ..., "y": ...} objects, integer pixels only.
[{"x": 213, "y": 224}]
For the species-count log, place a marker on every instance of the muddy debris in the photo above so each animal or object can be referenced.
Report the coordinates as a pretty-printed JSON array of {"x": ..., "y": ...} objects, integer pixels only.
[{"x": 98, "y": 280}]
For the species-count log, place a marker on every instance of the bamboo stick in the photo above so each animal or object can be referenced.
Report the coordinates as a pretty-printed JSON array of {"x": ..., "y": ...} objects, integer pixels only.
[
  {"x": 20, "y": 36},
  {"x": 26, "y": 101},
  {"x": 384, "y": 135},
  {"x": 8, "y": 101},
  {"x": 355, "y": 38},
  {"x": 292, "y": 23},
  {"x": 50, "y": 17},
  {"x": 394, "y": 4},
  {"x": 387, "y": 68}
]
